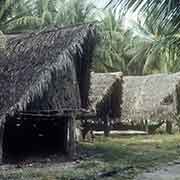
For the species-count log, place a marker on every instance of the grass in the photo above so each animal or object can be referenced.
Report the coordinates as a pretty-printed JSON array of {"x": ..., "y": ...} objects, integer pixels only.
[{"x": 109, "y": 159}]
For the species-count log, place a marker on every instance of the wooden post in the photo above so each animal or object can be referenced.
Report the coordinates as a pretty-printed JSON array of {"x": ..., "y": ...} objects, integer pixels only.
[
  {"x": 71, "y": 130},
  {"x": 146, "y": 126},
  {"x": 66, "y": 136},
  {"x": 1, "y": 141},
  {"x": 169, "y": 127},
  {"x": 106, "y": 125}
]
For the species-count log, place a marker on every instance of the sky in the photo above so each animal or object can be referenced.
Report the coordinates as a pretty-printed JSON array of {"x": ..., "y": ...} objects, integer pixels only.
[
  {"x": 130, "y": 17},
  {"x": 100, "y": 3}
]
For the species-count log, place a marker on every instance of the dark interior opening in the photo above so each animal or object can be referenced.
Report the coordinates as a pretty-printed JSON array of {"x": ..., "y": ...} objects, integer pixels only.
[{"x": 36, "y": 137}]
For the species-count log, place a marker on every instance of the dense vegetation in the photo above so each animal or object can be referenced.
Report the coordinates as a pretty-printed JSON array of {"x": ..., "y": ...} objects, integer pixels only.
[{"x": 148, "y": 45}]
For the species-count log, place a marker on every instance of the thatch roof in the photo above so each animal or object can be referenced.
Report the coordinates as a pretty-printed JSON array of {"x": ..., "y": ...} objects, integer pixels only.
[
  {"x": 43, "y": 70},
  {"x": 149, "y": 97},
  {"x": 105, "y": 93}
]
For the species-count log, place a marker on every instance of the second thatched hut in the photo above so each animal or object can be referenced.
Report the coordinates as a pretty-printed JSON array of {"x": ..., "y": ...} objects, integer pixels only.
[
  {"x": 151, "y": 98},
  {"x": 106, "y": 98}
]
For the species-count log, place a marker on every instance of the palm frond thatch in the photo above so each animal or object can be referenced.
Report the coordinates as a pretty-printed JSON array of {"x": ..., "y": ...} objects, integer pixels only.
[
  {"x": 151, "y": 97},
  {"x": 106, "y": 94},
  {"x": 46, "y": 70}
]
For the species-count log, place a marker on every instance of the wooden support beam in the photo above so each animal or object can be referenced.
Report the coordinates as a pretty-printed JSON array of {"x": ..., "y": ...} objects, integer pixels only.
[
  {"x": 1, "y": 141},
  {"x": 106, "y": 125},
  {"x": 64, "y": 110},
  {"x": 72, "y": 127},
  {"x": 169, "y": 127},
  {"x": 79, "y": 116}
]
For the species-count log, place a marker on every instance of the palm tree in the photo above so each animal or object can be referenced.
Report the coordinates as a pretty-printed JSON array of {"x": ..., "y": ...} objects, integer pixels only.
[
  {"x": 165, "y": 12},
  {"x": 2, "y": 41},
  {"x": 15, "y": 15},
  {"x": 24, "y": 15},
  {"x": 156, "y": 50},
  {"x": 166, "y": 8},
  {"x": 159, "y": 35},
  {"x": 74, "y": 12},
  {"x": 111, "y": 53}
]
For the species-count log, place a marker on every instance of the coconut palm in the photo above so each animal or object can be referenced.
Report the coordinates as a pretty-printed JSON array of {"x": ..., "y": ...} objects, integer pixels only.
[
  {"x": 157, "y": 49},
  {"x": 2, "y": 41},
  {"x": 166, "y": 8},
  {"x": 15, "y": 15},
  {"x": 165, "y": 12},
  {"x": 38, "y": 14},
  {"x": 74, "y": 12},
  {"x": 111, "y": 53}
]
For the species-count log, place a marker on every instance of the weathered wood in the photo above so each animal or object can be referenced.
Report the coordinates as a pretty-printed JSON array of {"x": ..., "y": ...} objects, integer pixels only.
[
  {"x": 64, "y": 110},
  {"x": 72, "y": 127},
  {"x": 146, "y": 125},
  {"x": 1, "y": 141},
  {"x": 66, "y": 137},
  {"x": 169, "y": 127},
  {"x": 89, "y": 115},
  {"x": 106, "y": 125}
]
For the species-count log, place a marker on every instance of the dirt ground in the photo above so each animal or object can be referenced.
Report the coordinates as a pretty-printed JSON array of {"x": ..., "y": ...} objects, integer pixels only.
[
  {"x": 170, "y": 172},
  {"x": 142, "y": 157}
]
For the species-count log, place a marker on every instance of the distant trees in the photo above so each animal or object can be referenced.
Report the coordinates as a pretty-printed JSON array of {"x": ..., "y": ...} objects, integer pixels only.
[
  {"x": 158, "y": 37},
  {"x": 112, "y": 50},
  {"x": 155, "y": 49},
  {"x": 25, "y": 15},
  {"x": 22, "y": 15},
  {"x": 15, "y": 15},
  {"x": 147, "y": 47}
]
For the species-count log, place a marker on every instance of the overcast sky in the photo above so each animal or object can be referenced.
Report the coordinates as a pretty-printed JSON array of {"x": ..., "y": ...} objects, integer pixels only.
[
  {"x": 129, "y": 17},
  {"x": 100, "y": 3}
]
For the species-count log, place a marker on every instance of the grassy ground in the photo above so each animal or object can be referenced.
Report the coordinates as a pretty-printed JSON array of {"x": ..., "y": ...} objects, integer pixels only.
[{"x": 116, "y": 158}]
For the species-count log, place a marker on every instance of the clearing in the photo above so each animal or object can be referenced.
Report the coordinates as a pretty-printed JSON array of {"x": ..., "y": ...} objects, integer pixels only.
[{"x": 115, "y": 158}]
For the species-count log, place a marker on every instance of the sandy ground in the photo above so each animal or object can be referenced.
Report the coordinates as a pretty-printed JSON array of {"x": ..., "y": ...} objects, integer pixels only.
[
  {"x": 123, "y": 132},
  {"x": 170, "y": 172}
]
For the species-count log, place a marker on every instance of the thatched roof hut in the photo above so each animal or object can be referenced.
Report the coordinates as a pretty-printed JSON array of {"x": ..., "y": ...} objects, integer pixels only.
[
  {"x": 44, "y": 71},
  {"x": 150, "y": 97},
  {"x": 105, "y": 94}
]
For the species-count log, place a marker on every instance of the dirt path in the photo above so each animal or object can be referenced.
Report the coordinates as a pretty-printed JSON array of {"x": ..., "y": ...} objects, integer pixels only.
[{"x": 170, "y": 172}]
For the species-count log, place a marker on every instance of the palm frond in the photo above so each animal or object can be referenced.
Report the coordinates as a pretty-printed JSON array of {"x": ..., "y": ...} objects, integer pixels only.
[
  {"x": 165, "y": 11},
  {"x": 3, "y": 40}
]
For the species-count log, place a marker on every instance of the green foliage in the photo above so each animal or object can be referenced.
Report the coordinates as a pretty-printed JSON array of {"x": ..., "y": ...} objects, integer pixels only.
[
  {"x": 156, "y": 50},
  {"x": 125, "y": 156},
  {"x": 164, "y": 11},
  {"x": 154, "y": 47},
  {"x": 2, "y": 41},
  {"x": 22, "y": 15},
  {"x": 74, "y": 12},
  {"x": 15, "y": 15},
  {"x": 159, "y": 33},
  {"x": 111, "y": 50}
]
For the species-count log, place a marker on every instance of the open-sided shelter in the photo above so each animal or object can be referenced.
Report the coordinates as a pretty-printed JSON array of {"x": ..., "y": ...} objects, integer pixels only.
[{"x": 44, "y": 79}]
